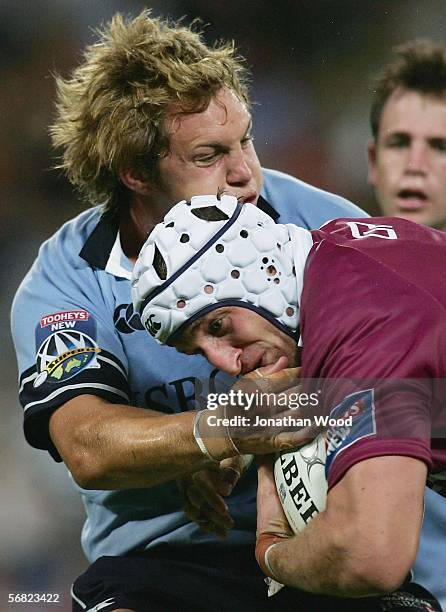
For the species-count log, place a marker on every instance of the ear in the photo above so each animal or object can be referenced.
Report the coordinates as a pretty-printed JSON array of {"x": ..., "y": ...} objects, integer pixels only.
[
  {"x": 371, "y": 157},
  {"x": 134, "y": 182}
]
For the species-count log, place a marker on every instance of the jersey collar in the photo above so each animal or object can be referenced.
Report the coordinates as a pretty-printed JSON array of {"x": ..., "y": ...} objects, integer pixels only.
[{"x": 102, "y": 249}]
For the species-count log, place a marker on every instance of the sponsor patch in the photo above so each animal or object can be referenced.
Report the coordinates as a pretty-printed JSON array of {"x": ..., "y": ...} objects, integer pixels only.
[
  {"x": 66, "y": 345},
  {"x": 62, "y": 317},
  {"x": 360, "y": 406},
  {"x": 360, "y": 229}
]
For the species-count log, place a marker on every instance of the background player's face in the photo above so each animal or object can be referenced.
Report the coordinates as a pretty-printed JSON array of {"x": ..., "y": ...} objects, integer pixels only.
[
  {"x": 237, "y": 340},
  {"x": 210, "y": 151},
  {"x": 407, "y": 164}
]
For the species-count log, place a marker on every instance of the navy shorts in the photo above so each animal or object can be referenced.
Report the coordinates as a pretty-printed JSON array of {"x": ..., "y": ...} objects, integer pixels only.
[{"x": 210, "y": 579}]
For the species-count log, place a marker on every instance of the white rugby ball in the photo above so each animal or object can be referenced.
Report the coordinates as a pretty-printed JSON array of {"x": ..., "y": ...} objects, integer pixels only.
[{"x": 301, "y": 483}]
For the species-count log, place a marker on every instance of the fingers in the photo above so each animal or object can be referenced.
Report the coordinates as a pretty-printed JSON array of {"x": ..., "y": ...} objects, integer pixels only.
[
  {"x": 208, "y": 519},
  {"x": 274, "y": 381},
  {"x": 272, "y": 368},
  {"x": 204, "y": 491},
  {"x": 228, "y": 479},
  {"x": 271, "y": 441},
  {"x": 270, "y": 515},
  {"x": 230, "y": 470},
  {"x": 288, "y": 441}
]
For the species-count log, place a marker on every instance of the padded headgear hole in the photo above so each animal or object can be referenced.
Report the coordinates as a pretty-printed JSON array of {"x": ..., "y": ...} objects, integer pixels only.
[
  {"x": 271, "y": 270},
  {"x": 159, "y": 264},
  {"x": 210, "y": 213}
]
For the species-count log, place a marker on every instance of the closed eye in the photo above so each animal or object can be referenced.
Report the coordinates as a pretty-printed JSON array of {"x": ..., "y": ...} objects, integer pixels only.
[
  {"x": 246, "y": 140},
  {"x": 208, "y": 158}
]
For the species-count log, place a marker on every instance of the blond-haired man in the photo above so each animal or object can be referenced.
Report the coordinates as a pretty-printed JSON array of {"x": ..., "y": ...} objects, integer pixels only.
[{"x": 151, "y": 115}]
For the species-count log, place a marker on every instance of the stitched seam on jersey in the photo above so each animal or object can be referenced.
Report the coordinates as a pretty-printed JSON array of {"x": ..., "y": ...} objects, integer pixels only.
[
  {"x": 81, "y": 603},
  {"x": 80, "y": 386},
  {"x": 99, "y": 356},
  {"x": 112, "y": 363},
  {"x": 102, "y": 604},
  {"x": 26, "y": 380}
]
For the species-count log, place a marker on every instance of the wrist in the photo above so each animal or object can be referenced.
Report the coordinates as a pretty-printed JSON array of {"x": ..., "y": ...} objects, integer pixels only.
[
  {"x": 264, "y": 545},
  {"x": 212, "y": 436},
  {"x": 267, "y": 561}
]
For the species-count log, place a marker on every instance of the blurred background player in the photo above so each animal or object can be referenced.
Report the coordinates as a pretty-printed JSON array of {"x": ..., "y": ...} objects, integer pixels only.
[
  {"x": 150, "y": 116},
  {"x": 382, "y": 532},
  {"x": 407, "y": 156}
]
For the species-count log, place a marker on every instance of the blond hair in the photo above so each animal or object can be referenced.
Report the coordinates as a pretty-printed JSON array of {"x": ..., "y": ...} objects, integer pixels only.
[{"x": 110, "y": 112}]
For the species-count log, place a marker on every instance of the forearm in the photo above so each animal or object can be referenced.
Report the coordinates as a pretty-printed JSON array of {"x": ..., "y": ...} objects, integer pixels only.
[
  {"x": 109, "y": 446},
  {"x": 322, "y": 559},
  {"x": 112, "y": 446},
  {"x": 354, "y": 548}
]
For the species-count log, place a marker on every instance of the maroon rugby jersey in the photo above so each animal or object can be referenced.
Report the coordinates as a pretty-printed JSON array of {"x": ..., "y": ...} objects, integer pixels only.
[{"x": 373, "y": 325}]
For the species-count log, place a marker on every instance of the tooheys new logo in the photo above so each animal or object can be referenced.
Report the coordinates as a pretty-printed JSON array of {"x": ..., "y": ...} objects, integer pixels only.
[{"x": 65, "y": 343}]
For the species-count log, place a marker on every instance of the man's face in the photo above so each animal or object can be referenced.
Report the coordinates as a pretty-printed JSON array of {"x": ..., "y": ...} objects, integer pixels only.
[
  {"x": 210, "y": 151},
  {"x": 407, "y": 164},
  {"x": 237, "y": 340}
]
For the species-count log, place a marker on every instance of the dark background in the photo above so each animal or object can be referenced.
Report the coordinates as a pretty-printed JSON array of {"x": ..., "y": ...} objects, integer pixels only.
[{"x": 312, "y": 62}]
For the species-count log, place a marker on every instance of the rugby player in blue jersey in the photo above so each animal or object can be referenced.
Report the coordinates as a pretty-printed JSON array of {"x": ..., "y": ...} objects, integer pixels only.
[{"x": 151, "y": 115}]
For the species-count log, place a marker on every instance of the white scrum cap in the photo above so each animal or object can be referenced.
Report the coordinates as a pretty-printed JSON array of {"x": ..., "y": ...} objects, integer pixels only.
[{"x": 210, "y": 252}]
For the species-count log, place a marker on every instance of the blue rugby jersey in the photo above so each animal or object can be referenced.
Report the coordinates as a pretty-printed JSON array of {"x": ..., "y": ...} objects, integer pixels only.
[{"x": 75, "y": 332}]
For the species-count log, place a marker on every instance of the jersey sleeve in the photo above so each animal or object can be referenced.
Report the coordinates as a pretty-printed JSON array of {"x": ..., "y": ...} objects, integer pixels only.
[
  {"x": 303, "y": 204},
  {"x": 370, "y": 340},
  {"x": 65, "y": 340}
]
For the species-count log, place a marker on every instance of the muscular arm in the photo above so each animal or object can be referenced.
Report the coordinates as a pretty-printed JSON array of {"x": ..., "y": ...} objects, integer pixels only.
[
  {"x": 366, "y": 541},
  {"x": 112, "y": 446}
]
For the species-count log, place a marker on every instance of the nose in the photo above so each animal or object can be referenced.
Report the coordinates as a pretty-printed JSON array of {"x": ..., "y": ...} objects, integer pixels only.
[
  {"x": 417, "y": 159},
  {"x": 225, "y": 358},
  {"x": 238, "y": 170}
]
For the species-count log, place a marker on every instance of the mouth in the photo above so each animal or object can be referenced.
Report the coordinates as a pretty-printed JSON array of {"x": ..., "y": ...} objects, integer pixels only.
[
  {"x": 411, "y": 199},
  {"x": 248, "y": 199}
]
